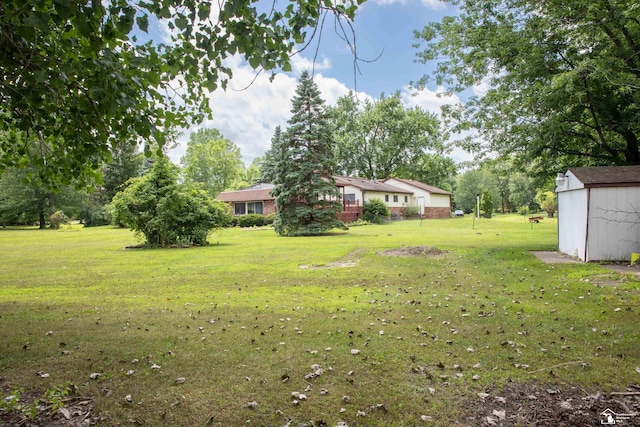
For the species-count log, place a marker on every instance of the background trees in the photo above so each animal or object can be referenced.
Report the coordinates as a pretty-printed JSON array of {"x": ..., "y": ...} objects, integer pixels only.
[
  {"x": 212, "y": 161},
  {"x": 381, "y": 138},
  {"x": 471, "y": 184},
  {"x": 562, "y": 78},
  {"x": 305, "y": 192},
  {"x": 25, "y": 200}
]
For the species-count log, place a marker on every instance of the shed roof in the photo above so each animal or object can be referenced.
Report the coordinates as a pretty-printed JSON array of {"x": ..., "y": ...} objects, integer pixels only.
[
  {"x": 608, "y": 176},
  {"x": 368, "y": 185},
  {"x": 421, "y": 185}
]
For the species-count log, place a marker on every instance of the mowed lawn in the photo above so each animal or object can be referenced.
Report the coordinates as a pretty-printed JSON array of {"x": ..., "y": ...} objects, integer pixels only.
[{"x": 224, "y": 334}]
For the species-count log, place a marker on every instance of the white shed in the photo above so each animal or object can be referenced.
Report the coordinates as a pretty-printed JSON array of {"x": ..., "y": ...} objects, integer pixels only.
[{"x": 599, "y": 212}]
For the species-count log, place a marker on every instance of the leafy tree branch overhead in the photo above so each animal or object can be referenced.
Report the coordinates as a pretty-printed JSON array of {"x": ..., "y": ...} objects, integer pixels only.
[
  {"x": 562, "y": 78},
  {"x": 77, "y": 82}
]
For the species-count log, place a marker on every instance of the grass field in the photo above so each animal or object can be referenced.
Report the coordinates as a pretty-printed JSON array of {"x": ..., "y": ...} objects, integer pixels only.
[{"x": 253, "y": 317}]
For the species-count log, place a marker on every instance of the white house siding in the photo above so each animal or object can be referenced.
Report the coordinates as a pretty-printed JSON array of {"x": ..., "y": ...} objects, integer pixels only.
[
  {"x": 440, "y": 201},
  {"x": 572, "y": 223},
  {"x": 349, "y": 189},
  {"x": 614, "y": 226},
  {"x": 434, "y": 203},
  {"x": 370, "y": 195}
]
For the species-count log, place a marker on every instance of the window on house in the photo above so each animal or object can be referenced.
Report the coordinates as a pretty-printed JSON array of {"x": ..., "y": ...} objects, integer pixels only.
[
  {"x": 239, "y": 208},
  {"x": 406, "y": 199},
  {"x": 351, "y": 197},
  {"x": 254, "y": 208},
  {"x": 395, "y": 198},
  {"x": 386, "y": 197}
]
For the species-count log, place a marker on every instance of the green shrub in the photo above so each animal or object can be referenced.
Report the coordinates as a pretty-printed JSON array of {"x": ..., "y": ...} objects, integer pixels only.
[
  {"x": 524, "y": 210},
  {"x": 56, "y": 219},
  {"x": 251, "y": 220},
  {"x": 96, "y": 216},
  {"x": 375, "y": 211},
  {"x": 268, "y": 220},
  {"x": 167, "y": 213},
  {"x": 412, "y": 211},
  {"x": 486, "y": 204}
]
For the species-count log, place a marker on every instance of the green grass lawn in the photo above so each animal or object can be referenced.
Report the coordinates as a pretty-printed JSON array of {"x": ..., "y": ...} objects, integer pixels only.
[{"x": 241, "y": 322}]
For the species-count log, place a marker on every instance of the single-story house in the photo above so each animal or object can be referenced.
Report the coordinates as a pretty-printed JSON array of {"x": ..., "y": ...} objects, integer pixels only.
[
  {"x": 599, "y": 212},
  {"x": 433, "y": 202},
  {"x": 256, "y": 199},
  {"x": 358, "y": 191},
  {"x": 397, "y": 194}
]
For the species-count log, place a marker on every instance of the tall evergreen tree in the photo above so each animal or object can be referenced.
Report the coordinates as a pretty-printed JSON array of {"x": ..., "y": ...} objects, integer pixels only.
[
  {"x": 306, "y": 195},
  {"x": 268, "y": 164}
]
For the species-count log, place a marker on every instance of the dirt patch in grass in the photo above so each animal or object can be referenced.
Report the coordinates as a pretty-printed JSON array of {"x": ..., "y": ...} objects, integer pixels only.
[
  {"x": 414, "y": 251},
  {"x": 351, "y": 260},
  {"x": 32, "y": 409},
  {"x": 532, "y": 404}
]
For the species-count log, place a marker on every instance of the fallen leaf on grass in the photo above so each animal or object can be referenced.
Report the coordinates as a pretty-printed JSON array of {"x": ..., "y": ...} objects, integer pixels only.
[{"x": 500, "y": 414}]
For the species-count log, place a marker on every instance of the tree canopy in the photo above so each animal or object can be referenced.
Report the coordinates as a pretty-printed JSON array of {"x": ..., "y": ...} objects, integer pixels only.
[
  {"x": 80, "y": 78},
  {"x": 212, "y": 161},
  {"x": 376, "y": 139},
  {"x": 557, "y": 81}
]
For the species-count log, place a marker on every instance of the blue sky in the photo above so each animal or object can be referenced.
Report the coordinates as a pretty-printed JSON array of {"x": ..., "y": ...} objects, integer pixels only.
[{"x": 248, "y": 117}]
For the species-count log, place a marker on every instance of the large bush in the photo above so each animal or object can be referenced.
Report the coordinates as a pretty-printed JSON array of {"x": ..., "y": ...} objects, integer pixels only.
[
  {"x": 251, "y": 220},
  {"x": 166, "y": 213},
  {"x": 375, "y": 211}
]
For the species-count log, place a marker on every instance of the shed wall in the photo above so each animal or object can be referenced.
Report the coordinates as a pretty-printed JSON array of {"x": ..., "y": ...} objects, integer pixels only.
[
  {"x": 614, "y": 224},
  {"x": 572, "y": 223}
]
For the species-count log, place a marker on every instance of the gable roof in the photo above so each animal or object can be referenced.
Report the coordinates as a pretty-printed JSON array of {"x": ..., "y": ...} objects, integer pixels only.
[
  {"x": 248, "y": 195},
  {"x": 368, "y": 185},
  {"x": 421, "y": 185},
  {"x": 608, "y": 176}
]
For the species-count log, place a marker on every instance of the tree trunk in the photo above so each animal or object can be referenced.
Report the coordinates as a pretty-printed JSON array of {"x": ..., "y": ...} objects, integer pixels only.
[
  {"x": 632, "y": 155},
  {"x": 42, "y": 221}
]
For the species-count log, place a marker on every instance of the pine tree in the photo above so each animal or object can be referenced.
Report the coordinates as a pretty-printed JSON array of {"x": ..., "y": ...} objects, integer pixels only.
[
  {"x": 268, "y": 164},
  {"x": 306, "y": 195}
]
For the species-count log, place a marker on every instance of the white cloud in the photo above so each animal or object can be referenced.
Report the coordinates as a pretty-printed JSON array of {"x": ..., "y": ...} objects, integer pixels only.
[
  {"x": 430, "y": 4},
  {"x": 434, "y": 4},
  {"x": 427, "y": 99},
  {"x": 248, "y": 112},
  {"x": 432, "y": 101},
  {"x": 300, "y": 64}
]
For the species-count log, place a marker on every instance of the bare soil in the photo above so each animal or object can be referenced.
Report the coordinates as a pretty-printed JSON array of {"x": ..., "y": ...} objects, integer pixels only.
[
  {"x": 532, "y": 404},
  {"x": 414, "y": 251}
]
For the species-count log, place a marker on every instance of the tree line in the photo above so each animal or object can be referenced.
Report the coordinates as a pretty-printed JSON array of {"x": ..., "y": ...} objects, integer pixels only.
[{"x": 81, "y": 86}]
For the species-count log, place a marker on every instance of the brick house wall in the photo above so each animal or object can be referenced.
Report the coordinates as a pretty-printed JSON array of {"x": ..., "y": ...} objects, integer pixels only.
[{"x": 434, "y": 213}]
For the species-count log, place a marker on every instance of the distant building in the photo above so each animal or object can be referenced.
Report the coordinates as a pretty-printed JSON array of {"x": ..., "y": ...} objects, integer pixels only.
[
  {"x": 397, "y": 194},
  {"x": 253, "y": 200}
]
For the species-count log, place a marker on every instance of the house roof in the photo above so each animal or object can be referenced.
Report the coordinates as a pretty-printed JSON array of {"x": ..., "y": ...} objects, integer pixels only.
[
  {"x": 247, "y": 195},
  {"x": 608, "y": 176},
  {"x": 368, "y": 185},
  {"x": 421, "y": 185}
]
